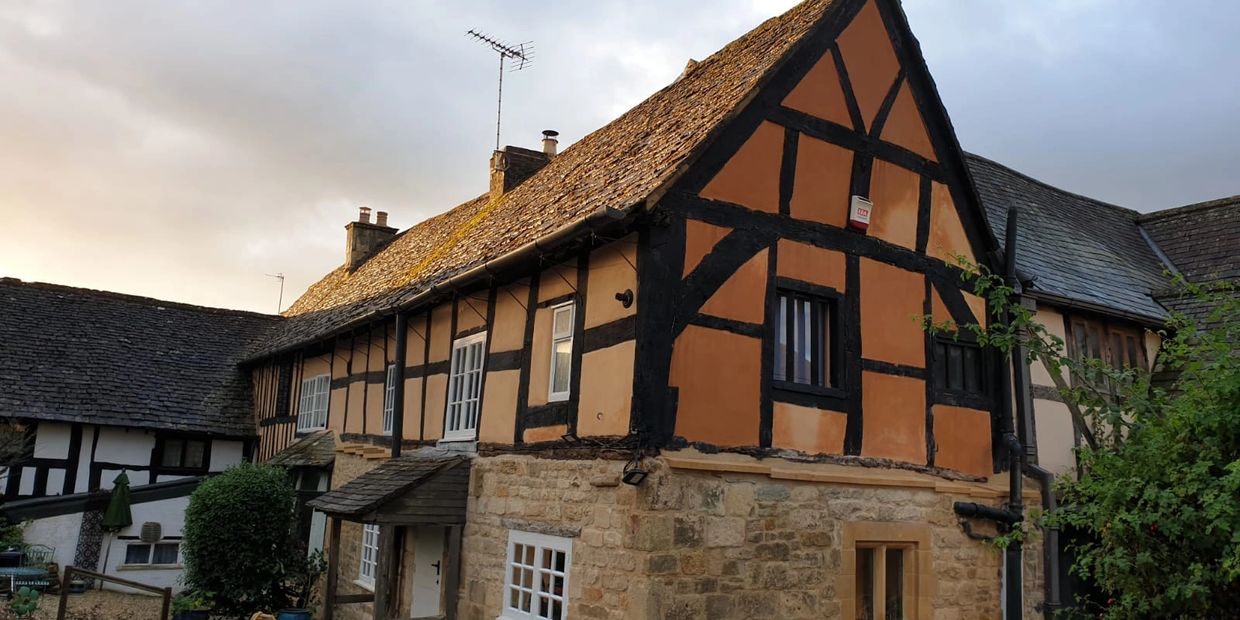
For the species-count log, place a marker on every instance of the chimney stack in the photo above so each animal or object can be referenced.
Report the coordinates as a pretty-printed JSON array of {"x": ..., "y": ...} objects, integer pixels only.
[
  {"x": 362, "y": 238},
  {"x": 550, "y": 142},
  {"x": 512, "y": 165}
]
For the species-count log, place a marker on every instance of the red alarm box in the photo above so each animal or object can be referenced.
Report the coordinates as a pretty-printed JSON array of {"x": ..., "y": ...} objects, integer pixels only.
[{"x": 859, "y": 210}]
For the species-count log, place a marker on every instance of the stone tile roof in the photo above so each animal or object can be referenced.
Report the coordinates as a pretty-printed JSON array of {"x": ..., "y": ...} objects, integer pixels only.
[
  {"x": 318, "y": 449},
  {"x": 1202, "y": 242},
  {"x": 79, "y": 355},
  {"x": 372, "y": 489},
  {"x": 619, "y": 166},
  {"x": 1080, "y": 249}
]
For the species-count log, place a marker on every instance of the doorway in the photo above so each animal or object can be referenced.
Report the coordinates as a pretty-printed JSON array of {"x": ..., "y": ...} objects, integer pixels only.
[{"x": 428, "y": 564}]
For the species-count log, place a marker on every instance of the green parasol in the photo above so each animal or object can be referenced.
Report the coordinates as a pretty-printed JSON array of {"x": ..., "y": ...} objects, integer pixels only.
[{"x": 117, "y": 516}]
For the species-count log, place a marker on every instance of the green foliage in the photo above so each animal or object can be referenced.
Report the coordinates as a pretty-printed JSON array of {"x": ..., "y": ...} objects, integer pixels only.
[
  {"x": 25, "y": 602},
  {"x": 302, "y": 581},
  {"x": 12, "y": 534},
  {"x": 192, "y": 601},
  {"x": 239, "y": 538},
  {"x": 1158, "y": 489}
]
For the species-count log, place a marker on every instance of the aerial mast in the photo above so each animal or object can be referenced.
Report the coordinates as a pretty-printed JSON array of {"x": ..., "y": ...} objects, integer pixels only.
[{"x": 522, "y": 54}]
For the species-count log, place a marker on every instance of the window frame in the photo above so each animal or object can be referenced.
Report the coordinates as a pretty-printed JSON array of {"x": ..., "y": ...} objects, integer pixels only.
[
  {"x": 464, "y": 432},
  {"x": 540, "y": 543},
  {"x": 389, "y": 399},
  {"x": 552, "y": 395},
  {"x": 369, "y": 543},
  {"x": 314, "y": 419},
  {"x": 980, "y": 399},
  {"x": 162, "y": 450},
  {"x": 919, "y": 582},
  {"x": 150, "y": 554},
  {"x": 832, "y": 300}
]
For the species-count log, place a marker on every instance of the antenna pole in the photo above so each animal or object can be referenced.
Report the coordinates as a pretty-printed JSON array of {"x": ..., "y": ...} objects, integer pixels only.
[
  {"x": 280, "y": 300},
  {"x": 499, "y": 103}
]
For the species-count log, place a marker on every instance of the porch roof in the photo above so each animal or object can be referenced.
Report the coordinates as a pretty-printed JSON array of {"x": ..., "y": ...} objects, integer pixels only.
[{"x": 408, "y": 489}]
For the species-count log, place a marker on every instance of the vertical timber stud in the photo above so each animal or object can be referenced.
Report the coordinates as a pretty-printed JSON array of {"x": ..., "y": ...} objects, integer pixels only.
[
  {"x": 927, "y": 310},
  {"x": 383, "y": 573},
  {"x": 398, "y": 389},
  {"x": 426, "y": 364},
  {"x": 852, "y": 352},
  {"x": 527, "y": 345},
  {"x": 767, "y": 363},
  {"x": 660, "y": 261},
  {"x": 452, "y": 579},
  {"x": 579, "y": 340},
  {"x": 486, "y": 355},
  {"x": 333, "y": 570}
]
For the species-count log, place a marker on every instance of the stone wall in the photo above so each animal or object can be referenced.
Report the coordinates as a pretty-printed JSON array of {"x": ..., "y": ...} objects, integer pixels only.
[
  {"x": 347, "y": 467},
  {"x": 702, "y": 544}
]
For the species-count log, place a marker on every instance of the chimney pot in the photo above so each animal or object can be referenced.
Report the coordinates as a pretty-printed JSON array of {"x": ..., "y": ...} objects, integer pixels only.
[
  {"x": 363, "y": 215},
  {"x": 549, "y": 141},
  {"x": 381, "y": 218}
]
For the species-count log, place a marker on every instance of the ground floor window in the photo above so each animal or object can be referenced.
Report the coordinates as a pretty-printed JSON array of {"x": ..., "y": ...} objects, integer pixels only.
[
  {"x": 152, "y": 553},
  {"x": 536, "y": 576},
  {"x": 370, "y": 553},
  {"x": 888, "y": 569}
]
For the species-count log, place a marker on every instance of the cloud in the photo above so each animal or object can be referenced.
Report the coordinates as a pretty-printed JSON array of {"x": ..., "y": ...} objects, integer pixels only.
[{"x": 183, "y": 150}]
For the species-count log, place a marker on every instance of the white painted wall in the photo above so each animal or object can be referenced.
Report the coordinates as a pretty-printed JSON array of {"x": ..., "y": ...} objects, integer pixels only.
[
  {"x": 60, "y": 533},
  {"x": 225, "y": 454},
  {"x": 51, "y": 440},
  {"x": 125, "y": 446},
  {"x": 170, "y": 514}
]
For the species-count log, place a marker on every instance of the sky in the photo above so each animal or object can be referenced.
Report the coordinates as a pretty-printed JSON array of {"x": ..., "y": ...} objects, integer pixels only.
[{"x": 185, "y": 150}]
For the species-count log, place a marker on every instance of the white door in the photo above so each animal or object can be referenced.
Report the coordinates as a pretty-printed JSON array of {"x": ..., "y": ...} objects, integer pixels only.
[{"x": 427, "y": 567}]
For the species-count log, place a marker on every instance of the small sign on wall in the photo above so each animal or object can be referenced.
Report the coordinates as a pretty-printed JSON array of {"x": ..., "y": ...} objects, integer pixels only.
[{"x": 859, "y": 210}]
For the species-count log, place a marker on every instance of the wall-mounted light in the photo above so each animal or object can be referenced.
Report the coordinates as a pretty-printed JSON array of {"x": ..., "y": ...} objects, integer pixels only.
[
  {"x": 625, "y": 298},
  {"x": 634, "y": 474}
]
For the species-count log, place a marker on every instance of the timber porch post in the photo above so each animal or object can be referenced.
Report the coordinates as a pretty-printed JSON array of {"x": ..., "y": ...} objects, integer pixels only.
[{"x": 333, "y": 570}]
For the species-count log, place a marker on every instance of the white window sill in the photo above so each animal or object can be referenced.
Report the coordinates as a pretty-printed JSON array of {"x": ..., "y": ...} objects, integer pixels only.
[
  {"x": 125, "y": 567},
  {"x": 472, "y": 436},
  {"x": 303, "y": 431},
  {"x": 367, "y": 585},
  {"x": 558, "y": 398}
]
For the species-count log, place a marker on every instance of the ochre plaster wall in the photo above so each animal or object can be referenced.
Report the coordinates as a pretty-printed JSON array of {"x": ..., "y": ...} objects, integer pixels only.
[
  {"x": 719, "y": 401},
  {"x": 905, "y": 126},
  {"x": 611, "y": 272},
  {"x": 741, "y": 297},
  {"x": 962, "y": 440},
  {"x": 894, "y": 192},
  {"x": 872, "y": 64},
  {"x": 895, "y": 417},
  {"x": 700, "y": 239},
  {"x": 807, "y": 429},
  {"x": 820, "y": 191},
  {"x": 751, "y": 176},
  {"x": 891, "y": 307},
  {"x": 606, "y": 391},
  {"x": 801, "y": 261}
]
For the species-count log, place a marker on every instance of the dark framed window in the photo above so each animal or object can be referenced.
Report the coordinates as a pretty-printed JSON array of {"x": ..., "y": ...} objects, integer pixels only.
[
  {"x": 960, "y": 368},
  {"x": 804, "y": 342},
  {"x": 183, "y": 453}
]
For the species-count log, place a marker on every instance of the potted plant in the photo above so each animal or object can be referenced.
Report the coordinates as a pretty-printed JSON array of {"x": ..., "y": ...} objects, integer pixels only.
[
  {"x": 192, "y": 606},
  {"x": 301, "y": 588}
]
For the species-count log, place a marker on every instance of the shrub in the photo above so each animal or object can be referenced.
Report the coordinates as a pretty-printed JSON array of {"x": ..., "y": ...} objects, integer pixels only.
[{"x": 239, "y": 538}]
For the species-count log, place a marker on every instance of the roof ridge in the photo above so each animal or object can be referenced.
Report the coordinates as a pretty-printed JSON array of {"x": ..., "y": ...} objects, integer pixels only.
[
  {"x": 128, "y": 297},
  {"x": 1205, "y": 205},
  {"x": 1102, "y": 203}
]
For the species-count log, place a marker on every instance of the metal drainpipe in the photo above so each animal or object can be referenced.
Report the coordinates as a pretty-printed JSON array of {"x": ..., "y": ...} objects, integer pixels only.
[
  {"x": 1046, "y": 480},
  {"x": 398, "y": 390},
  {"x": 1012, "y": 555}
]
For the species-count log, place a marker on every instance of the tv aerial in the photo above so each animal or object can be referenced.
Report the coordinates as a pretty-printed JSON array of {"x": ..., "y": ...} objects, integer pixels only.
[{"x": 521, "y": 55}]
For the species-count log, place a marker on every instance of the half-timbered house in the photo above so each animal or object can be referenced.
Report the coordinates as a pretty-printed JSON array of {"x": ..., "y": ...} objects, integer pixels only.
[{"x": 678, "y": 369}]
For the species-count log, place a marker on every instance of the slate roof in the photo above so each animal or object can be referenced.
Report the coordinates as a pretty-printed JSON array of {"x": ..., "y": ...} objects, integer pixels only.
[
  {"x": 318, "y": 449},
  {"x": 619, "y": 166},
  {"x": 372, "y": 489},
  {"x": 1080, "y": 249},
  {"x": 79, "y": 355},
  {"x": 1202, "y": 242}
]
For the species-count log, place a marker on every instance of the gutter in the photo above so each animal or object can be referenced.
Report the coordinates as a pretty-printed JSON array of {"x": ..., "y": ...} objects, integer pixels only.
[
  {"x": 593, "y": 221},
  {"x": 1075, "y": 304}
]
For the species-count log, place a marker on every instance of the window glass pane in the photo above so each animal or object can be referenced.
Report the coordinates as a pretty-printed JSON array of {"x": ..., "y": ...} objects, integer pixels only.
[
  {"x": 172, "y": 453},
  {"x": 894, "y": 594},
  {"x": 194, "y": 453},
  {"x": 563, "y": 365},
  {"x": 972, "y": 370},
  {"x": 865, "y": 584},
  {"x": 563, "y": 322},
  {"x": 137, "y": 554},
  {"x": 781, "y": 340},
  {"x": 955, "y": 368},
  {"x": 165, "y": 553}
]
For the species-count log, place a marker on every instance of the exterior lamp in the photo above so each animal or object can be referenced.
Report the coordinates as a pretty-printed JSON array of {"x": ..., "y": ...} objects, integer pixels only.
[{"x": 633, "y": 472}]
